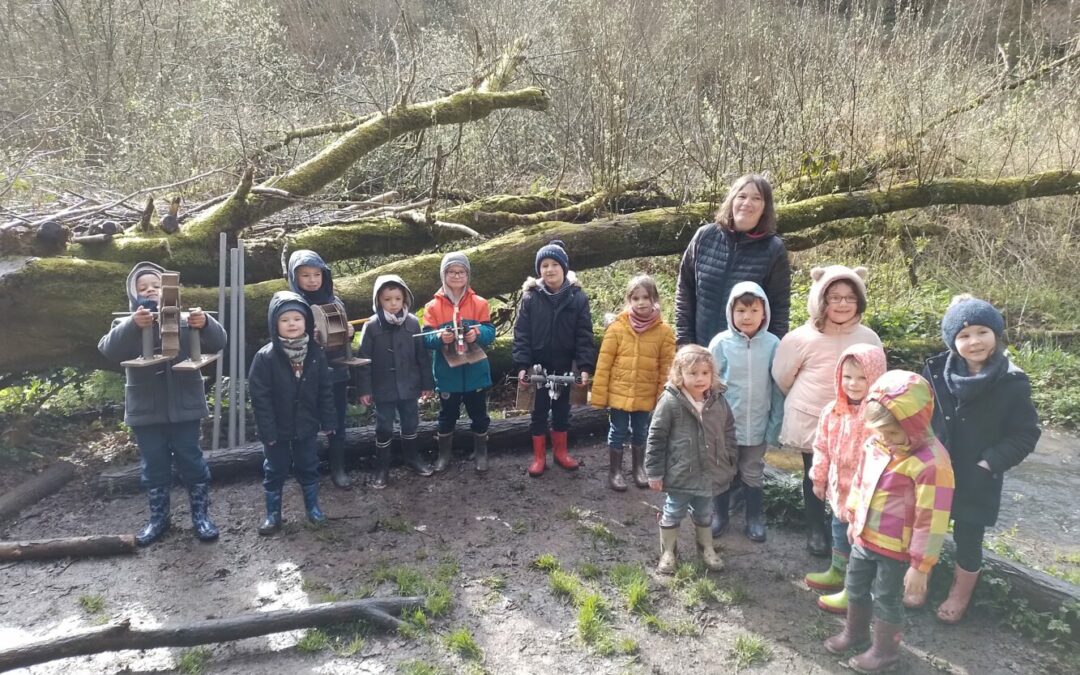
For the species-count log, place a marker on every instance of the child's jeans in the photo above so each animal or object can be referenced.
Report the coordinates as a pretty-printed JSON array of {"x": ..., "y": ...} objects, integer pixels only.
[
  {"x": 676, "y": 505},
  {"x": 873, "y": 576},
  {"x": 160, "y": 444},
  {"x": 300, "y": 456},
  {"x": 839, "y": 536},
  {"x": 559, "y": 408},
  {"x": 475, "y": 405},
  {"x": 407, "y": 413},
  {"x": 621, "y": 420}
]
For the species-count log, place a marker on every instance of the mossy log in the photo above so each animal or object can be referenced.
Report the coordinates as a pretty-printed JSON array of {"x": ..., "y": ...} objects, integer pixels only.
[{"x": 56, "y": 308}]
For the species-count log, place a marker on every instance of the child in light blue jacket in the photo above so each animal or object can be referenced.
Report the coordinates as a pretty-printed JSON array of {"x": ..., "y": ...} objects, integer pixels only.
[{"x": 744, "y": 355}]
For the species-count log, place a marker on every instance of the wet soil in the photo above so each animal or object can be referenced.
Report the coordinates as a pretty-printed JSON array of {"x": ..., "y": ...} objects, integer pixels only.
[{"x": 493, "y": 527}]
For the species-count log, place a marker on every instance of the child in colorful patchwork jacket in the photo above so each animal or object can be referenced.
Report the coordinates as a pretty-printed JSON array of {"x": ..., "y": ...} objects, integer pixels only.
[{"x": 899, "y": 511}]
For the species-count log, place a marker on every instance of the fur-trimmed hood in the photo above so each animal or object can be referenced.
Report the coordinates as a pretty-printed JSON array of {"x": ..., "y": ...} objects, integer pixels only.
[{"x": 532, "y": 283}]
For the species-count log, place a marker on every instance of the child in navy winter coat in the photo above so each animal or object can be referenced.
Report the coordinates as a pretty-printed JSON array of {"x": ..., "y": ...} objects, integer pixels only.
[
  {"x": 292, "y": 395},
  {"x": 164, "y": 407},
  {"x": 553, "y": 329}
]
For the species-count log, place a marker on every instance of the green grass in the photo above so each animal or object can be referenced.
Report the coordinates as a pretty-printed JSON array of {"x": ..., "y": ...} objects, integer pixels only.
[
  {"x": 566, "y": 585},
  {"x": 633, "y": 583},
  {"x": 193, "y": 661},
  {"x": 92, "y": 604},
  {"x": 592, "y": 625},
  {"x": 461, "y": 642},
  {"x": 313, "y": 640},
  {"x": 1055, "y": 382},
  {"x": 395, "y": 524},
  {"x": 590, "y": 571},
  {"x": 600, "y": 534},
  {"x": 418, "y": 667},
  {"x": 546, "y": 563},
  {"x": 495, "y": 583},
  {"x": 750, "y": 650},
  {"x": 700, "y": 593}
]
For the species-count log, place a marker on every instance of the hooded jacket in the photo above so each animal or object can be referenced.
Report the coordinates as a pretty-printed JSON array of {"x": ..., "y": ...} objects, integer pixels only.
[
  {"x": 745, "y": 366},
  {"x": 841, "y": 434},
  {"x": 632, "y": 367},
  {"x": 472, "y": 311},
  {"x": 901, "y": 500},
  {"x": 159, "y": 395},
  {"x": 323, "y": 296},
  {"x": 287, "y": 407},
  {"x": 554, "y": 330},
  {"x": 805, "y": 363},
  {"x": 400, "y": 367},
  {"x": 715, "y": 260},
  {"x": 693, "y": 453},
  {"x": 1000, "y": 425}
]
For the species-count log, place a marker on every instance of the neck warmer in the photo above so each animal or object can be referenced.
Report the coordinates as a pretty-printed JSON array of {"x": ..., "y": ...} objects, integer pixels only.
[
  {"x": 295, "y": 348},
  {"x": 965, "y": 386},
  {"x": 643, "y": 322},
  {"x": 394, "y": 319},
  {"x": 547, "y": 291}
]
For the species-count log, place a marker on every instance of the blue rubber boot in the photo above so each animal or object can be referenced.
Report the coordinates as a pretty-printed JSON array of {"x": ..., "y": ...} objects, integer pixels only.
[
  {"x": 721, "y": 513},
  {"x": 273, "y": 513},
  {"x": 755, "y": 514},
  {"x": 159, "y": 517},
  {"x": 311, "y": 504},
  {"x": 205, "y": 530}
]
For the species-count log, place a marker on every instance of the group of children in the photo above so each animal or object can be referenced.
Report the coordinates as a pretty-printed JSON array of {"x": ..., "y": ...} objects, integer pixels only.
[{"x": 699, "y": 420}]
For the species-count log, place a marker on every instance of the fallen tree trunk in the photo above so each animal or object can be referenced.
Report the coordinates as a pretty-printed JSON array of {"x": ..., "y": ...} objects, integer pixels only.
[
  {"x": 508, "y": 435},
  {"x": 120, "y": 635},
  {"x": 37, "y": 488},
  {"x": 68, "y": 547}
]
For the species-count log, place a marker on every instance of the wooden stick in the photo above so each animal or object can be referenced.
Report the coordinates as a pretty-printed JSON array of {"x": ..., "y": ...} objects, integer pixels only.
[
  {"x": 68, "y": 547},
  {"x": 37, "y": 488},
  {"x": 120, "y": 635}
]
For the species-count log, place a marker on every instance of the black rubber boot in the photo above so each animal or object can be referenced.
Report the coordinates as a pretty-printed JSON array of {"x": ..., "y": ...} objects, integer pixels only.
[
  {"x": 817, "y": 541},
  {"x": 721, "y": 513},
  {"x": 480, "y": 451},
  {"x": 382, "y": 464},
  {"x": 337, "y": 462},
  {"x": 446, "y": 449},
  {"x": 755, "y": 514},
  {"x": 411, "y": 454}
]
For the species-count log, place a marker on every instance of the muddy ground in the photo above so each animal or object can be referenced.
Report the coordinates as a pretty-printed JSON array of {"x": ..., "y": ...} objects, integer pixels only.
[{"x": 491, "y": 528}]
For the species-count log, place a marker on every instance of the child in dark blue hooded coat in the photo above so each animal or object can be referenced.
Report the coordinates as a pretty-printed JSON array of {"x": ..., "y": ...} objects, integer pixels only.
[
  {"x": 310, "y": 277},
  {"x": 292, "y": 396}
]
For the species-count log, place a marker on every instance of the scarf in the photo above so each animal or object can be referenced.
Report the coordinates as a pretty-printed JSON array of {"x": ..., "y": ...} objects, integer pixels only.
[
  {"x": 643, "y": 322},
  {"x": 965, "y": 386},
  {"x": 296, "y": 349},
  {"x": 394, "y": 319}
]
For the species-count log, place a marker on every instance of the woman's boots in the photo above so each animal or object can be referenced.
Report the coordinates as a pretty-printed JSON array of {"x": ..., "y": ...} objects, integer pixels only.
[{"x": 952, "y": 610}]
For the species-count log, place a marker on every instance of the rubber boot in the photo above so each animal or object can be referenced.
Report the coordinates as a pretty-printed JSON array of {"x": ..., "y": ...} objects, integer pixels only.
[
  {"x": 615, "y": 479},
  {"x": 337, "y": 462},
  {"x": 705, "y": 548},
  {"x": 539, "y": 462},
  {"x": 561, "y": 454},
  {"x": 721, "y": 516},
  {"x": 963, "y": 585},
  {"x": 273, "y": 513},
  {"x": 199, "y": 494},
  {"x": 835, "y": 603},
  {"x": 311, "y": 503},
  {"x": 158, "y": 524},
  {"x": 382, "y": 464},
  {"x": 669, "y": 544},
  {"x": 410, "y": 452},
  {"x": 755, "y": 514},
  {"x": 817, "y": 541},
  {"x": 480, "y": 451},
  {"x": 912, "y": 601},
  {"x": 637, "y": 454},
  {"x": 856, "y": 633},
  {"x": 446, "y": 451},
  {"x": 883, "y": 654},
  {"x": 831, "y": 579}
]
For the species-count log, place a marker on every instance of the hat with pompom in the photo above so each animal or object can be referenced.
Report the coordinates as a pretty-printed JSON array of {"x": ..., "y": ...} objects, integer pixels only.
[{"x": 556, "y": 250}]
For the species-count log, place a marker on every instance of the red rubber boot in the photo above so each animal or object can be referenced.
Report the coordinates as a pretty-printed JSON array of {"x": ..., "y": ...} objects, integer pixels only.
[
  {"x": 562, "y": 456},
  {"x": 539, "y": 456}
]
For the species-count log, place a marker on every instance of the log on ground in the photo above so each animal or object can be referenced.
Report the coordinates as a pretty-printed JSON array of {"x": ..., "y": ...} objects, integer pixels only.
[
  {"x": 37, "y": 488},
  {"x": 68, "y": 547},
  {"x": 509, "y": 435},
  {"x": 120, "y": 635}
]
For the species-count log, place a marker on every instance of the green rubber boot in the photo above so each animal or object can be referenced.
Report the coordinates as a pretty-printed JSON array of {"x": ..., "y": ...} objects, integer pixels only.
[
  {"x": 835, "y": 603},
  {"x": 831, "y": 579}
]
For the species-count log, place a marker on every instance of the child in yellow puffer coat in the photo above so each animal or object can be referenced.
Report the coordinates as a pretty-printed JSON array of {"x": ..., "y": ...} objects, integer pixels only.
[{"x": 633, "y": 366}]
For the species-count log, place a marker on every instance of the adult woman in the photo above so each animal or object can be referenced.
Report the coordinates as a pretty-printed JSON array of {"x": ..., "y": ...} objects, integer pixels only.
[{"x": 742, "y": 245}]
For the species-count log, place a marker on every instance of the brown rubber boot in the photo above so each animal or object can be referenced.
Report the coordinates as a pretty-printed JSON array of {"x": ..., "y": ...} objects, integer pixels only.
[
  {"x": 637, "y": 454},
  {"x": 856, "y": 633},
  {"x": 615, "y": 479},
  {"x": 883, "y": 654}
]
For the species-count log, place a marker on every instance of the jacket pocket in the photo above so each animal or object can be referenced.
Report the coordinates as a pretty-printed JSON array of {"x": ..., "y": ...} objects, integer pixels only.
[
  {"x": 139, "y": 399},
  {"x": 191, "y": 395}
]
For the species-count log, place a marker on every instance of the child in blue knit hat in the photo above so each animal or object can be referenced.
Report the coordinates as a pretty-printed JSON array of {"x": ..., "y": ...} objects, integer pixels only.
[
  {"x": 554, "y": 330},
  {"x": 985, "y": 418}
]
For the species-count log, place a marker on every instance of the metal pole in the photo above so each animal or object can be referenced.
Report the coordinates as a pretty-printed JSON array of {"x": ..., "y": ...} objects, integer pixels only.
[
  {"x": 233, "y": 349},
  {"x": 219, "y": 366},
  {"x": 241, "y": 397}
]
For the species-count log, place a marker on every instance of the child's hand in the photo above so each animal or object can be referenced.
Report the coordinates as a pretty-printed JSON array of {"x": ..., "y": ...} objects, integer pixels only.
[
  {"x": 318, "y": 336},
  {"x": 352, "y": 331},
  {"x": 522, "y": 382},
  {"x": 426, "y": 393},
  {"x": 914, "y": 582},
  {"x": 819, "y": 492},
  {"x": 447, "y": 336},
  {"x": 472, "y": 334},
  {"x": 584, "y": 379},
  {"x": 196, "y": 319},
  {"x": 142, "y": 317},
  {"x": 851, "y": 534},
  {"x": 656, "y": 485},
  {"x": 366, "y": 400}
]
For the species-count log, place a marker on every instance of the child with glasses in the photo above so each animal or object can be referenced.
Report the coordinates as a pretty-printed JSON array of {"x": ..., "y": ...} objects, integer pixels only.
[{"x": 805, "y": 370}]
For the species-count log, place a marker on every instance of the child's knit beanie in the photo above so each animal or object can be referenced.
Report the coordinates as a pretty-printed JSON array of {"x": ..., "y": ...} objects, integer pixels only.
[
  {"x": 968, "y": 311},
  {"x": 454, "y": 258},
  {"x": 556, "y": 250}
]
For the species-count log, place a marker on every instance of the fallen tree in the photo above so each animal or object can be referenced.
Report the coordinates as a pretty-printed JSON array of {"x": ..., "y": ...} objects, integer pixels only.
[
  {"x": 68, "y": 547},
  {"x": 37, "y": 488},
  {"x": 120, "y": 635}
]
